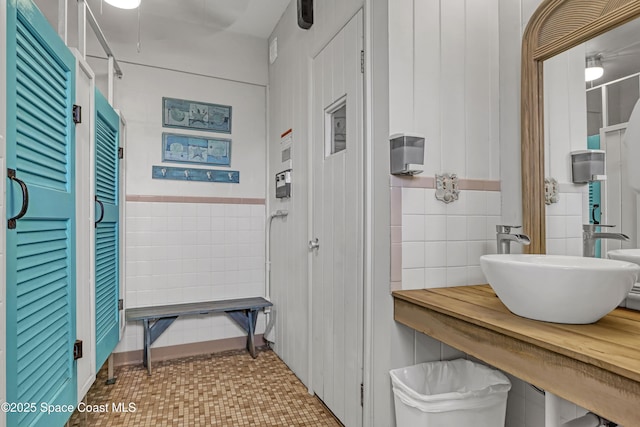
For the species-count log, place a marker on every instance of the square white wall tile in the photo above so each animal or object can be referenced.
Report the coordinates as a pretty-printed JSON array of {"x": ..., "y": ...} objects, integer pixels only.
[
  {"x": 456, "y": 228},
  {"x": 435, "y": 254},
  {"x": 494, "y": 203},
  {"x": 573, "y": 204},
  {"x": 413, "y": 201},
  {"x": 477, "y": 227},
  {"x": 413, "y": 255},
  {"x": 435, "y": 277},
  {"x": 456, "y": 254},
  {"x": 413, "y": 278},
  {"x": 432, "y": 205},
  {"x": 184, "y": 252},
  {"x": 476, "y": 202},
  {"x": 456, "y": 276},
  {"x": 435, "y": 227},
  {"x": 413, "y": 228}
]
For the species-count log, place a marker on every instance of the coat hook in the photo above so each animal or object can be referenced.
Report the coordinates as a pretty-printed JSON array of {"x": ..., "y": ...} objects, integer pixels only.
[
  {"x": 164, "y": 171},
  {"x": 186, "y": 174},
  {"x": 209, "y": 175}
]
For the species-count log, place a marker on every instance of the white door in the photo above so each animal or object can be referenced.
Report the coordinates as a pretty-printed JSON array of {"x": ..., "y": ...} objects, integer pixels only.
[{"x": 337, "y": 239}]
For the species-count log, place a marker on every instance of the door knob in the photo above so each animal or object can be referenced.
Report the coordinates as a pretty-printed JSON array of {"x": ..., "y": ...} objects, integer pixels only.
[{"x": 314, "y": 244}]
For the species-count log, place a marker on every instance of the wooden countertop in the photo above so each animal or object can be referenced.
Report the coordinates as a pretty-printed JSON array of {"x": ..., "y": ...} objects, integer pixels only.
[{"x": 596, "y": 366}]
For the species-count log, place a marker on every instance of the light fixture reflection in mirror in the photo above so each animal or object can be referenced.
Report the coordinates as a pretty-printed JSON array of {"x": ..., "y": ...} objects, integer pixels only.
[
  {"x": 124, "y": 4},
  {"x": 593, "y": 69}
]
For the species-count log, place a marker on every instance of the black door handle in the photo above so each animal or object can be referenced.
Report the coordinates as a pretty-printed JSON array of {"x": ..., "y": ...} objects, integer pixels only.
[
  {"x": 11, "y": 222},
  {"x": 95, "y": 225}
]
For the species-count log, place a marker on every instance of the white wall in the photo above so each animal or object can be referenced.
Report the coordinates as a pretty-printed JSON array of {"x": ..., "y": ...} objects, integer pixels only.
[
  {"x": 139, "y": 96},
  {"x": 181, "y": 251},
  {"x": 289, "y": 99},
  {"x": 442, "y": 243},
  {"x": 525, "y": 406},
  {"x": 565, "y": 106},
  {"x": 3, "y": 197},
  {"x": 198, "y": 249},
  {"x": 444, "y": 84},
  {"x": 444, "y": 81}
]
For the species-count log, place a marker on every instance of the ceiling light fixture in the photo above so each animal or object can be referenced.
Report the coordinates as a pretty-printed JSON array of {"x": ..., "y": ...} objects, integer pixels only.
[
  {"x": 593, "y": 69},
  {"x": 124, "y": 4}
]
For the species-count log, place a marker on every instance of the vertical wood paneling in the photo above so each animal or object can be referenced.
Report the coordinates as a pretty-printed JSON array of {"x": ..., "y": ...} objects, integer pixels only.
[
  {"x": 289, "y": 86},
  {"x": 354, "y": 295},
  {"x": 401, "y": 77},
  {"x": 558, "y": 143},
  {"x": 337, "y": 223},
  {"x": 565, "y": 104},
  {"x": 427, "y": 115},
  {"x": 477, "y": 84},
  {"x": 493, "y": 22},
  {"x": 511, "y": 28},
  {"x": 577, "y": 99},
  {"x": 452, "y": 88}
]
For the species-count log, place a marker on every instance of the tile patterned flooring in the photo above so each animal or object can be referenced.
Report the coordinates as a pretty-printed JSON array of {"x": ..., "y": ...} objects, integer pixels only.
[{"x": 224, "y": 389}]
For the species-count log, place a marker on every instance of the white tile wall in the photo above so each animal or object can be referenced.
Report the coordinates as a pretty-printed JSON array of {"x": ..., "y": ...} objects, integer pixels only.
[
  {"x": 188, "y": 252},
  {"x": 442, "y": 244},
  {"x": 564, "y": 222}
]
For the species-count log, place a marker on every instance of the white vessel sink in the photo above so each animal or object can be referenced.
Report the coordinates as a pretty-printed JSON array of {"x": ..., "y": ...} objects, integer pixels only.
[
  {"x": 559, "y": 289},
  {"x": 630, "y": 255}
]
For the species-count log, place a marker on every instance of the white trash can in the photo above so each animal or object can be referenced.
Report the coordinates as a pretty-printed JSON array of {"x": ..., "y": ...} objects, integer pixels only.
[{"x": 457, "y": 393}]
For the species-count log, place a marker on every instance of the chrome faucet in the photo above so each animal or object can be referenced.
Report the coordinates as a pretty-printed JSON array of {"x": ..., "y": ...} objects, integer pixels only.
[
  {"x": 504, "y": 238},
  {"x": 590, "y": 235}
]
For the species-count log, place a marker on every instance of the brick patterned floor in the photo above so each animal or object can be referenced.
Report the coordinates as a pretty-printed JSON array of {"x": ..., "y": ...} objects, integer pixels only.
[{"x": 225, "y": 389}]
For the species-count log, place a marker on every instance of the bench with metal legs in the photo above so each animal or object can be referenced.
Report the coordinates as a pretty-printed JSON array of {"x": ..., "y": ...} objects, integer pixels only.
[{"x": 156, "y": 320}]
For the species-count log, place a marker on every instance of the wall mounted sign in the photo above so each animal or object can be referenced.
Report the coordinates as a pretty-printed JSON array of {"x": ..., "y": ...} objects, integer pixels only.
[
  {"x": 188, "y": 174},
  {"x": 180, "y": 113},
  {"x": 196, "y": 149}
]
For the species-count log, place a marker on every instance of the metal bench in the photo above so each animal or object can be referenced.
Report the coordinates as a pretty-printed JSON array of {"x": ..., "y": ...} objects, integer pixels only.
[{"x": 156, "y": 320}]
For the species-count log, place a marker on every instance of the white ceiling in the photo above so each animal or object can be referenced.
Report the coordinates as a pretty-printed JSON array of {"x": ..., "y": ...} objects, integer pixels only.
[{"x": 181, "y": 21}]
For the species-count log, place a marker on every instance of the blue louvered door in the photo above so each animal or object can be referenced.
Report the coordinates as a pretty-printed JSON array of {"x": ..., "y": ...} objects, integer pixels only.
[
  {"x": 107, "y": 229},
  {"x": 40, "y": 300}
]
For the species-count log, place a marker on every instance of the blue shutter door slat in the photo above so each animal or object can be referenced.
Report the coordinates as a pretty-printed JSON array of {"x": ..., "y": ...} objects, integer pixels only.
[
  {"x": 41, "y": 249},
  {"x": 107, "y": 249}
]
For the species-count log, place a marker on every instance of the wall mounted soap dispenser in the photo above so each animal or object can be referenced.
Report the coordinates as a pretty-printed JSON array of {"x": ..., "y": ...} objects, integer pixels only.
[
  {"x": 587, "y": 166},
  {"x": 407, "y": 154}
]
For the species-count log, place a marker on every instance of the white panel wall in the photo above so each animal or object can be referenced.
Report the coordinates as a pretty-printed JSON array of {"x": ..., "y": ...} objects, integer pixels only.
[
  {"x": 525, "y": 407},
  {"x": 565, "y": 106},
  {"x": 444, "y": 84},
  {"x": 221, "y": 67},
  {"x": 189, "y": 252},
  {"x": 565, "y": 219},
  {"x": 139, "y": 96},
  {"x": 3, "y": 147},
  {"x": 184, "y": 252},
  {"x": 289, "y": 100},
  {"x": 443, "y": 77}
]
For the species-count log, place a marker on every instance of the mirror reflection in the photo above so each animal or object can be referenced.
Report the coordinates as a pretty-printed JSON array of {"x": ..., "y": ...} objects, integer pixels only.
[{"x": 589, "y": 94}]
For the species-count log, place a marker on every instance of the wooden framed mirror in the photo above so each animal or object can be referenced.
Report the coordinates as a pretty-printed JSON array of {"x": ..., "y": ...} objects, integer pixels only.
[{"x": 556, "y": 26}]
